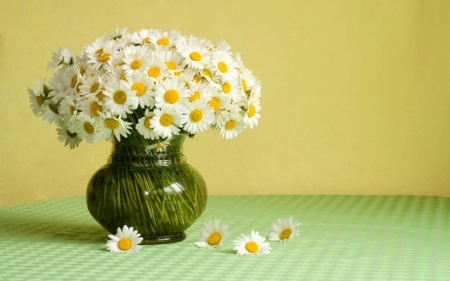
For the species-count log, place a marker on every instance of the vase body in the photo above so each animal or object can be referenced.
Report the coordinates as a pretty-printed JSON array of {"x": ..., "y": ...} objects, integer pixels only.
[{"x": 153, "y": 190}]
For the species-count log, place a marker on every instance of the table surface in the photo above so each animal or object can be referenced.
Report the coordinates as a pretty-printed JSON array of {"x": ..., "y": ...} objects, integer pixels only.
[{"x": 341, "y": 238}]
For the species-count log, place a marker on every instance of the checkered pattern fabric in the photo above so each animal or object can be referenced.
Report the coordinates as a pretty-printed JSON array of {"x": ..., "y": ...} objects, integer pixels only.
[{"x": 341, "y": 238}]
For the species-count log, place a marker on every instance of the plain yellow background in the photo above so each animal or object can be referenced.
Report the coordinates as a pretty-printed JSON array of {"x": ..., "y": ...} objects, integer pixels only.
[{"x": 356, "y": 94}]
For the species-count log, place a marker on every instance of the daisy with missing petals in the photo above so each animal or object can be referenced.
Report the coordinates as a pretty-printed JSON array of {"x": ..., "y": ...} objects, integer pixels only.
[
  {"x": 284, "y": 230},
  {"x": 119, "y": 98},
  {"x": 252, "y": 245},
  {"x": 166, "y": 122},
  {"x": 198, "y": 118},
  {"x": 63, "y": 56},
  {"x": 126, "y": 240},
  {"x": 160, "y": 146},
  {"x": 36, "y": 100},
  {"x": 109, "y": 125},
  {"x": 213, "y": 234},
  {"x": 143, "y": 125}
]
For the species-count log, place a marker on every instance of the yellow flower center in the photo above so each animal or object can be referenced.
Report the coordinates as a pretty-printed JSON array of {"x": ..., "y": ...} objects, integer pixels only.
[
  {"x": 195, "y": 96},
  {"x": 195, "y": 56},
  {"x": 207, "y": 73},
  {"x": 73, "y": 82},
  {"x": 166, "y": 120},
  {"x": 94, "y": 108},
  {"x": 139, "y": 88},
  {"x": 100, "y": 95},
  {"x": 72, "y": 109},
  {"x": 111, "y": 123},
  {"x": 161, "y": 144},
  {"x": 88, "y": 128},
  {"x": 230, "y": 125},
  {"x": 226, "y": 87},
  {"x": 171, "y": 65},
  {"x": 251, "y": 247},
  {"x": 163, "y": 41},
  {"x": 196, "y": 79},
  {"x": 136, "y": 64},
  {"x": 120, "y": 97},
  {"x": 124, "y": 244},
  {"x": 94, "y": 87},
  {"x": 153, "y": 72},
  {"x": 222, "y": 67},
  {"x": 99, "y": 51},
  {"x": 214, "y": 103},
  {"x": 147, "y": 122},
  {"x": 251, "y": 111},
  {"x": 122, "y": 77},
  {"x": 285, "y": 234},
  {"x": 171, "y": 96},
  {"x": 244, "y": 85},
  {"x": 196, "y": 115},
  {"x": 146, "y": 40},
  {"x": 104, "y": 57},
  {"x": 82, "y": 70},
  {"x": 39, "y": 100},
  {"x": 214, "y": 239}
]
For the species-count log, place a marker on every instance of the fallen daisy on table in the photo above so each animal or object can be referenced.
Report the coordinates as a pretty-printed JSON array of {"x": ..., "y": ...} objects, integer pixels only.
[
  {"x": 126, "y": 240},
  {"x": 284, "y": 230},
  {"x": 252, "y": 245},
  {"x": 213, "y": 234}
]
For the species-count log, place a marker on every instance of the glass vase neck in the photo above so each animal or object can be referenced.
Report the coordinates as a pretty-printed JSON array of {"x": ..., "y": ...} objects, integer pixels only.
[{"x": 138, "y": 151}]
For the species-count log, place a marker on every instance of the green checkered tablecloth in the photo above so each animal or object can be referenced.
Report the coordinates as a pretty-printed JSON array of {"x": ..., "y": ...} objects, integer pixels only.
[{"x": 341, "y": 238}]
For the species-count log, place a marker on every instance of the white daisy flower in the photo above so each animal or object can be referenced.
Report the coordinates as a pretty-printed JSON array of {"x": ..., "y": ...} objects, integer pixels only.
[
  {"x": 255, "y": 91},
  {"x": 224, "y": 66},
  {"x": 70, "y": 139},
  {"x": 231, "y": 89},
  {"x": 85, "y": 127},
  {"x": 171, "y": 92},
  {"x": 68, "y": 109},
  {"x": 119, "y": 98},
  {"x": 157, "y": 69},
  {"x": 62, "y": 57},
  {"x": 164, "y": 38},
  {"x": 36, "y": 100},
  {"x": 194, "y": 51},
  {"x": 142, "y": 85},
  {"x": 232, "y": 127},
  {"x": 159, "y": 146},
  {"x": 200, "y": 91},
  {"x": 109, "y": 125},
  {"x": 173, "y": 61},
  {"x": 126, "y": 240},
  {"x": 91, "y": 86},
  {"x": 91, "y": 106},
  {"x": 252, "y": 245},
  {"x": 144, "y": 35},
  {"x": 198, "y": 118},
  {"x": 50, "y": 113},
  {"x": 221, "y": 45},
  {"x": 218, "y": 101},
  {"x": 71, "y": 79},
  {"x": 100, "y": 52},
  {"x": 119, "y": 33},
  {"x": 284, "y": 230},
  {"x": 252, "y": 116},
  {"x": 166, "y": 122},
  {"x": 136, "y": 58},
  {"x": 143, "y": 125},
  {"x": 213, "y": 234},
  {"x": 247, "y": 80}
]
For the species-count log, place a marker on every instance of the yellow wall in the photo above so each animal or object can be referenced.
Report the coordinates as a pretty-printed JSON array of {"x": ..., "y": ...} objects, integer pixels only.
[{"x": 356, "y": 94}]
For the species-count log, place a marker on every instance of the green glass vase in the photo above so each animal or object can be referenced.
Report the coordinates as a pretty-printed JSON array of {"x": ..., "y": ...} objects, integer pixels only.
[{"x": 153, "y": 190}]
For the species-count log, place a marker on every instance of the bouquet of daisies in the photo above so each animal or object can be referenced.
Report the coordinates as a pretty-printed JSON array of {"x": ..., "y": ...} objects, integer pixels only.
[{"x": 158, "y": 83}]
